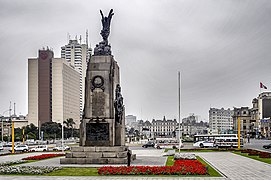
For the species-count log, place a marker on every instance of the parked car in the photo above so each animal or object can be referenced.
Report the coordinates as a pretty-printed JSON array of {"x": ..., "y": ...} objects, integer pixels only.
[
  {"x": 1, "y": 147},
  {"x": 148, "y": 144},
  {"x": 268, "y": 146},
  {"x": 203, "y": 144},
  {"x": 22, "y": 148},
  {"x": 39, "y": 148},
  {"x": 61, "y": 148}
]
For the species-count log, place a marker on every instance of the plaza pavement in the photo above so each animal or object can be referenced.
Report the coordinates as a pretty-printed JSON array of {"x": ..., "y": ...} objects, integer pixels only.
[
  {"x": 237, "y": 167},
  {"x": 145, "y": 157},
  {"x": 231, "y": 166}
]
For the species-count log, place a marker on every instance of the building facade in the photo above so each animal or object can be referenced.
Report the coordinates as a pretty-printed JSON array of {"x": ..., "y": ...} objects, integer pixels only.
[
  {"x": 255, "y": 121},
  {"x": 65, "y": 92},
  {"x": 190, "y": 126},
  {"x": 78, "y": 55},
  {"x": 158, "y": 128},
  {"x": 244, "y": 113},
  {"x": 129, "y": 120},
  {"x": 53, "y": 90},
  {"x": 220, "y": 120}
]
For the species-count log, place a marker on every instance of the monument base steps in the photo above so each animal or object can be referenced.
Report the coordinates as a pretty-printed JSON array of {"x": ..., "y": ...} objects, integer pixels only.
[{"x": 96, "y": 155}]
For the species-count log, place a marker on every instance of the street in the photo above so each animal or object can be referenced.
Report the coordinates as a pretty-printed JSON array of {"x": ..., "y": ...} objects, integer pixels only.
[{"x": 257, "y": 144}]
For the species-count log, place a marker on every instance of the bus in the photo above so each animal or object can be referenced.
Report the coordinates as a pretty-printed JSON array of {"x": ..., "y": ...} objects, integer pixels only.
[
  {"x": 217, "y": 140},
  {"x": 161, "y": 143}
]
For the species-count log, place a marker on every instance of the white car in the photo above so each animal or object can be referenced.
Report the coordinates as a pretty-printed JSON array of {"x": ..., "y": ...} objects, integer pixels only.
[
  {"x": 61, "y": 148},
  {"x": 203, "y": 144},
  {"x": 1, "y": 147},
  {"x": 22, "y": 148},
  {"x": 40, "y": 148}
]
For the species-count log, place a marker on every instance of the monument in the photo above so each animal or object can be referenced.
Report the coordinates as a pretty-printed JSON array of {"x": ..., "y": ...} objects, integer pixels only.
[{"x": 102, "y": 128}]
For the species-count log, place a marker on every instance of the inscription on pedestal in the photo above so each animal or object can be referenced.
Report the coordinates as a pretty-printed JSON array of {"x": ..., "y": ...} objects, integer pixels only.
[
  {"x": 98, "y": 103},
  {"x": 97, "y": 134}
]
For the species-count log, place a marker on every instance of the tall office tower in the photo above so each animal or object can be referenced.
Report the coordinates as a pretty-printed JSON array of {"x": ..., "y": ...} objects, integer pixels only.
[
  {"x": 220, "y": 120},
  {"x": 78, "y": 55},
  {"x": 53, "y": 90}
]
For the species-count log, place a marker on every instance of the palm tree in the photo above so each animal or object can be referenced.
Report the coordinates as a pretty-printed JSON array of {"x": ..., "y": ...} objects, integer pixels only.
[{"x": 69, "y": 123}]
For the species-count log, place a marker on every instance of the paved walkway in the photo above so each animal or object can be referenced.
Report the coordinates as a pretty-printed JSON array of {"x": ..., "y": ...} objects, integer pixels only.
[
  {"x": 103, "y": 178},
  {"x": 237, "y": 167},
  {"x": 16, "y": 157}
]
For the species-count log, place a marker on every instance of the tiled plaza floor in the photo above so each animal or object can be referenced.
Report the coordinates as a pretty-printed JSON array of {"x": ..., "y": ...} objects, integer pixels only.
[{"x": 230, "y": 165}]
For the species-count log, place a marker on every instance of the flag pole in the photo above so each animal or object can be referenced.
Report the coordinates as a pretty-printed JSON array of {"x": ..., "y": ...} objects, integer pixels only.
[
  {"x": 260, "y": 87},
  {"x": 179, "y": 99}
]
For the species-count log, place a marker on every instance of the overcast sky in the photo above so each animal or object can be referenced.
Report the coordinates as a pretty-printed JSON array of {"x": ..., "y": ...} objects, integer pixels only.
[{"x": 221, "y": 47}]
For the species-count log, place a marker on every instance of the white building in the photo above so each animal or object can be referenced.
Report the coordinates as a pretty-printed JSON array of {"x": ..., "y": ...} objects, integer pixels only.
[
  {"x": 220, "y": 120},
  {"x": 159, "y": 128},
  {"x": 53, "y": 90},
  {"x": 78, "y": 55}
]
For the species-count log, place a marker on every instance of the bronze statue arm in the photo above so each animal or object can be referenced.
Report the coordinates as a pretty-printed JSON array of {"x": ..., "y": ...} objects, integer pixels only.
[
  {"x": 102, "y": 14},
  {"x": 110, "y": 14}
]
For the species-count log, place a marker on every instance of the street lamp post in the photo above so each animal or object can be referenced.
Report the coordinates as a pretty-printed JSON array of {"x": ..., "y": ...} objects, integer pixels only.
[
  {"x": 2, "y": 130},
  {"x": 62, "y": 140}
]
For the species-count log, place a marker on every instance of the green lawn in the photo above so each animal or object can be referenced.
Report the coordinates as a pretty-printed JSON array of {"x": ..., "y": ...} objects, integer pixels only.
[
  {"x": 211, "y": 170},
  {"x": 74, "y": 172},
  {"x": 170, "y": 161},
  {"x": 266, "y": 160},
  {"x": 94, "y": 171}
]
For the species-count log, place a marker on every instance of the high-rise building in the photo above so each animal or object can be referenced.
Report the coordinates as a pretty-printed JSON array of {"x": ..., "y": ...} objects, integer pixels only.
[
  {"x": 78, "y": 55},
  {"x": 53, "y": 90},
  {"x": 220, "y": 120}
]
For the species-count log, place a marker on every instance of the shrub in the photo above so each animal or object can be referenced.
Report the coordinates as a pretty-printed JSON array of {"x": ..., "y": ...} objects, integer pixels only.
[{"x": 27, "y": 170}]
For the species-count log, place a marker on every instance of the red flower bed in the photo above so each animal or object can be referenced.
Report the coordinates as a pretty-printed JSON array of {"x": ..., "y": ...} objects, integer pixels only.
[
  {"x": 180, "y": 167},
  {"x": 265, "y": 155},
  {"x": 43, "y": 156}
]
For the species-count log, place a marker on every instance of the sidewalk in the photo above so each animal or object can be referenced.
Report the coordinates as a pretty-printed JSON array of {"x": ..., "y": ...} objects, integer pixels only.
[
  {"x": 237, "y": 167},
  {"x": 105, "y": 178}
]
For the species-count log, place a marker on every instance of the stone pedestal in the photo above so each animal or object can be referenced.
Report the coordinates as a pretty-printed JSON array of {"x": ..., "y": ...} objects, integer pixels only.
[
  {"x": 102, "y": 129},
  {"x": 96, "y": 155}
]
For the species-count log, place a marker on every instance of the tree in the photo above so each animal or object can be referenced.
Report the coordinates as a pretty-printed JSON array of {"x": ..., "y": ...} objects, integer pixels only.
[
  {"x": 31, "y": 131},
  {"x": 69, "y": 123},
  {"x": 51, "y": 130}
]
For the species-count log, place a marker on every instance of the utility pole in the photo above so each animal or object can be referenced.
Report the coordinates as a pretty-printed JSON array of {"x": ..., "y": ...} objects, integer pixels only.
[
  {"x": 239, "y": 131},
  {"x": 13, "y": 137},
  {"x": 9, "y": 133},
  {"x": 14, "y": 109},
  {"x": 23, "y": 136}
]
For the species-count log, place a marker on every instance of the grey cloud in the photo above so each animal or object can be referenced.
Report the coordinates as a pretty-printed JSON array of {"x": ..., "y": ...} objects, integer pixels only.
[{"x": 221, "y": 47}]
